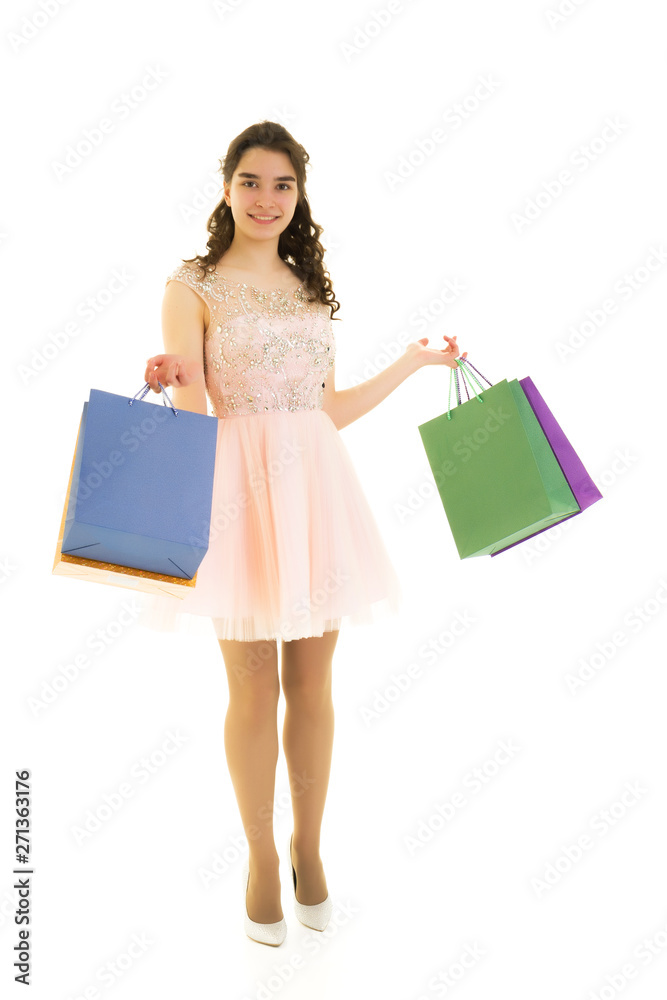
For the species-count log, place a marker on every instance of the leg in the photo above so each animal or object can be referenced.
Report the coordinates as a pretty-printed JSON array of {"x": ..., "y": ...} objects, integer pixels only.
[
  {"x": 251, "y": 747},
  {"x": 308, "y": 744}
]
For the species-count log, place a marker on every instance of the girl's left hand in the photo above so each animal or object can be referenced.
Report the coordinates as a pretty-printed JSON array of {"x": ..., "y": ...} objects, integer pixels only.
[{"x": 430, "y": 356}]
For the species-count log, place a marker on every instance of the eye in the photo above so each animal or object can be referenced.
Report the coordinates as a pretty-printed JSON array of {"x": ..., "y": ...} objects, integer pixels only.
[{"x": 288, "y": 187}]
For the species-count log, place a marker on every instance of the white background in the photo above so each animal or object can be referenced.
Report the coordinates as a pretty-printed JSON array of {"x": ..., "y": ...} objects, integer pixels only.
[{"x": 363, "y": 98}]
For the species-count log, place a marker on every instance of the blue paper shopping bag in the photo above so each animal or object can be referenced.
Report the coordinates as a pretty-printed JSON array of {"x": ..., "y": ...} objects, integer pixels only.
[{"x": 141, "y": 486}]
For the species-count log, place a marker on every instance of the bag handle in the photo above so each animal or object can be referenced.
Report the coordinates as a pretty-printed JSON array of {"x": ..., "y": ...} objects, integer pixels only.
[
  {"x": 464, "y": 367},
  {"x": 145, "y": 390},
  {"x": 464, "y": 361}
]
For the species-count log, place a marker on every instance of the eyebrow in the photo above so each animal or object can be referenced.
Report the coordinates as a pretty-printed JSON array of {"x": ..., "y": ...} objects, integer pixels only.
[{"x": 255, "y": 177}]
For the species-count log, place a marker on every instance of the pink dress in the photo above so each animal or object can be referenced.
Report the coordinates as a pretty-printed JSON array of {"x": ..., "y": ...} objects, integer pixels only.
[{"x": 294, "y": 549}]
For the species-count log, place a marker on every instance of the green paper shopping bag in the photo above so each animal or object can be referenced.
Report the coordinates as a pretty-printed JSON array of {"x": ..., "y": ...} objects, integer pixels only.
[{"x": 497, "y": 476}]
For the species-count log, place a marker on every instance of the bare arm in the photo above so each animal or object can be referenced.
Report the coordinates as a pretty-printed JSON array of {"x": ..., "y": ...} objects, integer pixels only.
[
  {"x": 182, "y": 365},
  {"x": 346, "y": 405}
]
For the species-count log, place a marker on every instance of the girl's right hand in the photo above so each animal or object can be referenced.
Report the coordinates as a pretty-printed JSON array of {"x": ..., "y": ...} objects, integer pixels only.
[{"x": 172, "y": 369}]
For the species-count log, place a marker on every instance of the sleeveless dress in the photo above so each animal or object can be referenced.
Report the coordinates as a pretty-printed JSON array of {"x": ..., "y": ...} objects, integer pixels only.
[{"x": 294, "y": 549}]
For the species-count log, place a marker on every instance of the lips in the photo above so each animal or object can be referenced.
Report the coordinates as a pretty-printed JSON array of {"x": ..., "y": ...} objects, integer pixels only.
[{"x": 263, "y": 220}]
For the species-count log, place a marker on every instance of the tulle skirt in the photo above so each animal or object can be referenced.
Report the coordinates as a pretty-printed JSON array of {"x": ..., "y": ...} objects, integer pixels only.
[{"x": 294, "y": 548}]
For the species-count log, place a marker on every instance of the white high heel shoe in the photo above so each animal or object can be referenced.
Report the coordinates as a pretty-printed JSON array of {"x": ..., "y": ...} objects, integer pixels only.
[
  {"x": 316, "y": 916},
  {"x": 273, "y": 934}
]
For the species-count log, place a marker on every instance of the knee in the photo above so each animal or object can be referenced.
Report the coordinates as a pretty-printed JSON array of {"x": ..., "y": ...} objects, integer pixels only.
[
  {"x": 308, "y": 692},
  {"x": 257, "y": 698},
  {"x": 252, "y": 672}
]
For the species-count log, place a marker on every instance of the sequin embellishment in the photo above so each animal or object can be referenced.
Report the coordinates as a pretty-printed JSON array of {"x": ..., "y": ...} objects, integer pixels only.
[{"x": 264, "y": 350}]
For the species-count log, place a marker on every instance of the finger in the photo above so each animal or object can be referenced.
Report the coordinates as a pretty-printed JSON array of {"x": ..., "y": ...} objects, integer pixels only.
[{"x": 151, "y": 374}]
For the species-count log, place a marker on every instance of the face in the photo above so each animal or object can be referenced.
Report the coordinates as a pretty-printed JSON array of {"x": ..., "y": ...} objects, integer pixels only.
[{"x": 263, "y": 184}]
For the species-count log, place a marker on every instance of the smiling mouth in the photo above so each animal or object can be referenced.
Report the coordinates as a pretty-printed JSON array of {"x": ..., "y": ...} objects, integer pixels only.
[{"x": 263, "y": 218}]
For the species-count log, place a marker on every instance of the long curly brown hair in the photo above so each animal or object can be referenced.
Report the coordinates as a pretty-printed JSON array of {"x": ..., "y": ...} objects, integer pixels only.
[{"x": 298, "y": 245}]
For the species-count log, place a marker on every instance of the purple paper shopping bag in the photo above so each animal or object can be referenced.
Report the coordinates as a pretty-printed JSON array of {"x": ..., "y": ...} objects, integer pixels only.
[{"x": 584, "y": 489}]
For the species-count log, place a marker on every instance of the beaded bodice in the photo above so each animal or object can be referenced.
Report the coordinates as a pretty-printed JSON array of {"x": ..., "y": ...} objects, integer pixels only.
[{"x": 263, "y": 350}]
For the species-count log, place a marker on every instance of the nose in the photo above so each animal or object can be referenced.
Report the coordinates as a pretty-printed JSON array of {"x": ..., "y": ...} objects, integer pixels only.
[{"x": 265, "y": 197}]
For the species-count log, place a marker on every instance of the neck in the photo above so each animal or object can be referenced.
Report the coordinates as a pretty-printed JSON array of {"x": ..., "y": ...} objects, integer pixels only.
[{"x": 254, "y": 256}]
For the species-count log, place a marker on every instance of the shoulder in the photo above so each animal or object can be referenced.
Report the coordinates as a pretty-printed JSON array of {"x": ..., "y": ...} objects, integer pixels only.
[
  {"x": 324, "y": 311},
  {"x": 189, "y": 272},
  {"x": 199, "y": 280},
  {"x": 324, "y": 320}
]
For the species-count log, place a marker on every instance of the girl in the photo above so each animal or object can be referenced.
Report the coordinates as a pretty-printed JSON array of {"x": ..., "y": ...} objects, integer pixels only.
[{"x": 293, "y": 545}]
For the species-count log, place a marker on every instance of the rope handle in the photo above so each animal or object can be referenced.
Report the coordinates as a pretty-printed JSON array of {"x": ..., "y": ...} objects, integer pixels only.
[
  {"x": 146, "y": 389},
  {"x": 464, "y": 361},
  {"x": 458, "y": 390},
  {"x": 466, "y": 369}
]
